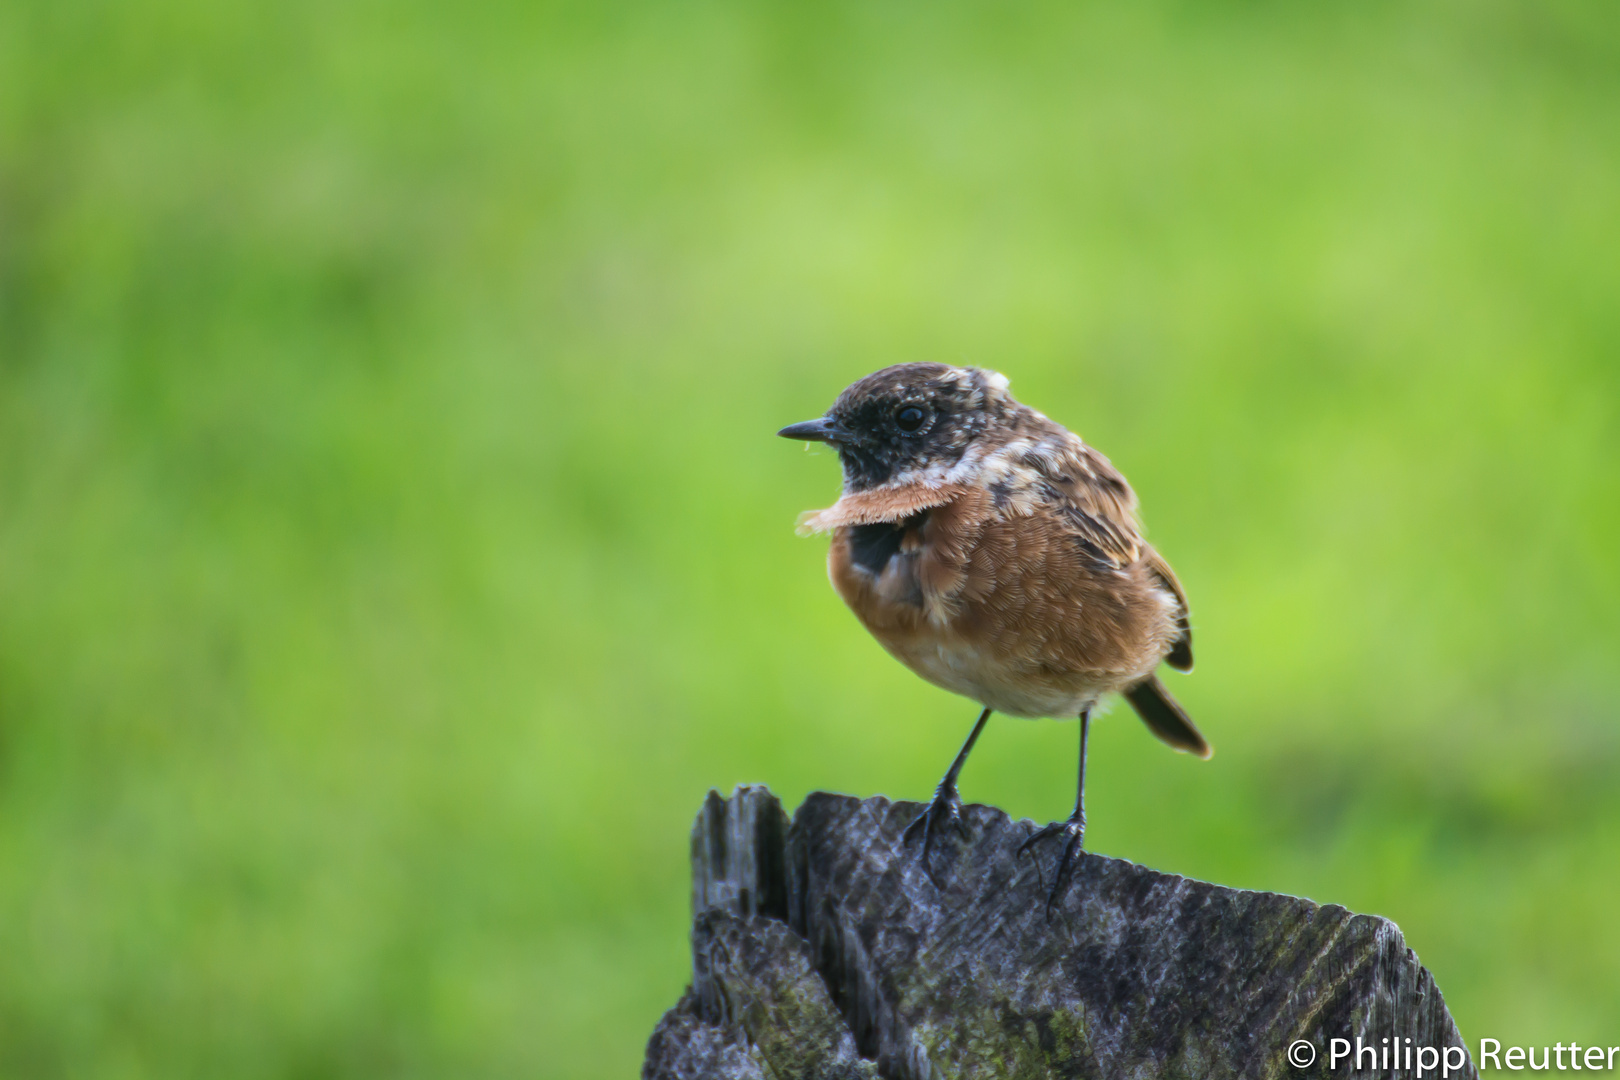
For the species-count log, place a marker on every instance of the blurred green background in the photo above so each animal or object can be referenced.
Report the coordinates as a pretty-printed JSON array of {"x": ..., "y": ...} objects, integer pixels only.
[{"x": 394, "y": 546}]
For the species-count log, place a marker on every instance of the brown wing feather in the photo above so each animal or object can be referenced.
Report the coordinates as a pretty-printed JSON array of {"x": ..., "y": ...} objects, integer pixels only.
[{"x": 1094, "y": 499}]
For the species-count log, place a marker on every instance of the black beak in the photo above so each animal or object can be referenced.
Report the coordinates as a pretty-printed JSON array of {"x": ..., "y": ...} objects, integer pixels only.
[{"x": 819, "y": 430}]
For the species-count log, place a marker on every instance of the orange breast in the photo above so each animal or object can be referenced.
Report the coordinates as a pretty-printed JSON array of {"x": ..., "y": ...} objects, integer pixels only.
[{"x": 1008, "y": 610}]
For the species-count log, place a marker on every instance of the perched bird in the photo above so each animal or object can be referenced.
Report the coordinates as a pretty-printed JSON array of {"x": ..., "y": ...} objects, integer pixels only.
[{"x": 995, "y": 554}]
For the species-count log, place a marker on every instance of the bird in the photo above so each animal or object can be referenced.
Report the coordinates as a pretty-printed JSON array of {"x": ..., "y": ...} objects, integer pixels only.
[{"x": 994, "y": 553}]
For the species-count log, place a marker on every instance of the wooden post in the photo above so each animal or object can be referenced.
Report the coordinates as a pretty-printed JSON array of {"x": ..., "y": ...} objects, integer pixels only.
[{"x": 821, "y": 950}]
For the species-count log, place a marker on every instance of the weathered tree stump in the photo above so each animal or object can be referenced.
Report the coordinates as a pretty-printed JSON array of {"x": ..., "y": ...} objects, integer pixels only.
[{"x": 821, "y": 950}]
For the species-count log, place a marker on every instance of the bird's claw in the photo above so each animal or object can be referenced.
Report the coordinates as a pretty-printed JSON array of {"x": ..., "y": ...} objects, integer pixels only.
[
  {"x": 945, "y": 811},
  {"x": 1074, "y": 830}
]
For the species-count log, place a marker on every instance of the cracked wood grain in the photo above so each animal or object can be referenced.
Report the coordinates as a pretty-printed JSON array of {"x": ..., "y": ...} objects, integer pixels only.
[{"x": 821, "y": 949}]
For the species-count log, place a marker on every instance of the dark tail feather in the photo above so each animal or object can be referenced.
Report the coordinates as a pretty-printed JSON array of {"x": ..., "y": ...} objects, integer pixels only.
[
  {"x": 1180, "y": 656},
  {"x": 1160, "y": 712}
]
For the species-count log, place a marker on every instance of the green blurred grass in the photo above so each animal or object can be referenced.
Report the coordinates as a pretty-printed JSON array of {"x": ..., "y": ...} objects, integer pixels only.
[{"x": 394, "y": 548}]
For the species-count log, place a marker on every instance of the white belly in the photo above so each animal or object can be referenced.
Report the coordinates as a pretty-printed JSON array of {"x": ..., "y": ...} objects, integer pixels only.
[{"x": 966, "y": 671}]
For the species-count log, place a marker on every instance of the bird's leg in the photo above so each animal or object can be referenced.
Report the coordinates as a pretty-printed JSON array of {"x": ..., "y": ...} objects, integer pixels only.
[
  {"x": 1073, "y": 831},
  {"x": 946, "y": 807}
]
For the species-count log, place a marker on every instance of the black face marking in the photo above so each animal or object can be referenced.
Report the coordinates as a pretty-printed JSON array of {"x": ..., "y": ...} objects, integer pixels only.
[
  {"x": 871, "y": 546},
  {"x": 907, "y": 417}
]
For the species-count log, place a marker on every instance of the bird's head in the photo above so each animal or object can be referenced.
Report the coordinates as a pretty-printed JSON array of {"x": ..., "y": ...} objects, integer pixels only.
[{"x": 908, "y": 422}]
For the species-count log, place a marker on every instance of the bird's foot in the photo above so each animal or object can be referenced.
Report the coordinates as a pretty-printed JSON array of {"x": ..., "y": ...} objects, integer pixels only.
[
  {"x": 945, "y": 811},
  {"x": 1073, "y": 831}
]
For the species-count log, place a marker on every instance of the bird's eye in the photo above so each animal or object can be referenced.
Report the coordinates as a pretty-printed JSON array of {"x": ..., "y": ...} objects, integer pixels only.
[{"x": 909, "y": 418}]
